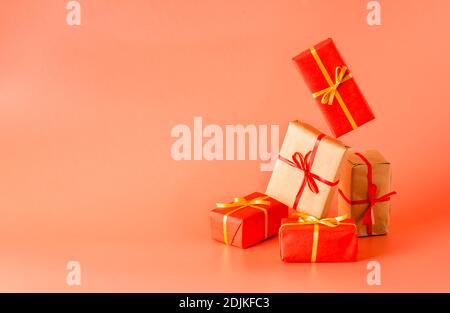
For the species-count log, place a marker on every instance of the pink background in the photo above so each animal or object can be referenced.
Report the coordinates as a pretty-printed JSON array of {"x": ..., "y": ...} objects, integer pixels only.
[{"x": 85, "y": 120}]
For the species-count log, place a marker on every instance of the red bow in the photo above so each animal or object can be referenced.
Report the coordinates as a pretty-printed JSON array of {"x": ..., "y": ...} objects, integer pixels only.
[
  {"x": 371, "y": 196},
  {"x": 305, "y": 163}
]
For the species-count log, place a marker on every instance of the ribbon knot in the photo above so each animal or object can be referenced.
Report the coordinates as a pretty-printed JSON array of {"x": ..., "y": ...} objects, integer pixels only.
[
  {"x": 304, "y": 218},
  {"x": 303, "y": 163},
  {"x": 242, "y": 202},
  {"x": 329, "y": 93},
  {"x": 372, "y": 191}
]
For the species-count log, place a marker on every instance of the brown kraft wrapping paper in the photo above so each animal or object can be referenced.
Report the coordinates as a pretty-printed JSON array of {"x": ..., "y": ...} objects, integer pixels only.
[
  {"x": 287, "y": 179},
  {"x": 354, "y": 186}
]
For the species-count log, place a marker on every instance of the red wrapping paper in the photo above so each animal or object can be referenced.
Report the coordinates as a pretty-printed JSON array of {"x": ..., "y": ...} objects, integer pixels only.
[
  {"x": 353, "y": 99},
  {"x": 335, "y": 244},
  {"x": 246, "y": 227}
]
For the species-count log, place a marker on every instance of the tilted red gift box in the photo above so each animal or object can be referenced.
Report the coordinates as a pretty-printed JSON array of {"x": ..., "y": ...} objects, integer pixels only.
[
  {"x": 334, "y": 87},
  {"x": 318, "y": 241},
  {"x": 248, "y": 220}
]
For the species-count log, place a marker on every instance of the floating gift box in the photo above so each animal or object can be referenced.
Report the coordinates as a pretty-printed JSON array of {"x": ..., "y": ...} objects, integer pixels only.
[
  {"x": 309, "y": 239},
  {"x": 334, "y": 87},
  {"x": 365, "y": 192},
  {"x": 307, "y": 169},
  {"x": 248, "y": 220}
]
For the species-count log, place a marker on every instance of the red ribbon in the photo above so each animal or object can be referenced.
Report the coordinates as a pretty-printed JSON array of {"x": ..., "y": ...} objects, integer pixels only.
[
  {"x": 305, "y": 163},
  {"x": 371, "y": 199}
]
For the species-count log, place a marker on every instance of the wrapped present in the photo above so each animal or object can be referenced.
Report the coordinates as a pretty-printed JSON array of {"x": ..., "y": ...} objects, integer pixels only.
[
  {"x": 248, "y": 220},
  {"x": 309, "y": 239},
  {"x": 365, "y": 192},
  {"x": 339, "y": 97},
  {"x": 307, "y": 169}
]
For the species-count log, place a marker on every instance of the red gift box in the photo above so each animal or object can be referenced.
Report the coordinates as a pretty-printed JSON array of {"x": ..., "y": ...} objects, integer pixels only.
[
  {"x": 308, "y": 239},
  {"x": 248, "y": 220},
  {"x": 333, "y": 86}
]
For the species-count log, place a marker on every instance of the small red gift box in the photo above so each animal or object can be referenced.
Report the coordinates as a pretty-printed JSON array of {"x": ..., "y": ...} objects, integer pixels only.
[
  {"x": 334, "y": 87},
  {"x": 248, "y": 220},
  {"x": 308, "y": 239}
]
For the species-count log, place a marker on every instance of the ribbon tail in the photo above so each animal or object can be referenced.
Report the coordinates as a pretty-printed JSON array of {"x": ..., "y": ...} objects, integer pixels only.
[
  {"x": 313, "y": 185},
  {"x": 299, "y": 194},
  {"x": 331, "y": 98},
  {"x": 367, "y": 220},
  {"x": 386, "y": 197},
  {"x": 321, "y": 92}
]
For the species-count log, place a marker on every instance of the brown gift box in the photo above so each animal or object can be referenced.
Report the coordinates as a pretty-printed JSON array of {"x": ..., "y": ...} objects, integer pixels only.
[
  {"x": 307, "y": 169},
  {"x": 354, "y": 197}
]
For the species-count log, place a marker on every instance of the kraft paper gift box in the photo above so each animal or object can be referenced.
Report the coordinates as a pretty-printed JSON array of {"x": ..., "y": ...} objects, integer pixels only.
[
  {"x": 307, "y": 169},
  {"x": 308, "y": 239},
  {"x": 248, "y": 220},
  {"x": 365, "y": 192},
  {"x": 334, "y": 87}
]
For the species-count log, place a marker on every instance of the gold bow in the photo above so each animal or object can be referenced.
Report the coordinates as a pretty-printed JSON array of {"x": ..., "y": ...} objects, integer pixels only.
[
  {"x": 329, "y": 92},
  {"x": 240, "y": 203},
  {"x": 306, "y": 219}
]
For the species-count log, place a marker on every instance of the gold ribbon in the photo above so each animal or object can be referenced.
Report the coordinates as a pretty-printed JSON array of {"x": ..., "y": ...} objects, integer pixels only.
[
  {"x": 240, "y": 203},
  {"x": 306, "y": 219},
  {"x": 328, "y": 94}
]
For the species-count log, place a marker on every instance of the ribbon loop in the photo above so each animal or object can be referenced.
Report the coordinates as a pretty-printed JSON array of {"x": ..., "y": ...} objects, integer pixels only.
[
  {"x": 329, "y": 93},
  {"x": 304, "y": 164},
  {"x": 372, "y": 191},
  {"x": 242, "y": 202},
  {"x": 304, "y": 218}
]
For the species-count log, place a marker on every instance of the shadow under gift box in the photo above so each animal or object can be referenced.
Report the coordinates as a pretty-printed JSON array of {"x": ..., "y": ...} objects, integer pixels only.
[
  {"x": 334, "y": 87},
  {"x": 304, "y": 243},
  {"x": 307, "y": 157},
  {"x": 369, "y": 208},
  {"x": 243, "y": 225}
]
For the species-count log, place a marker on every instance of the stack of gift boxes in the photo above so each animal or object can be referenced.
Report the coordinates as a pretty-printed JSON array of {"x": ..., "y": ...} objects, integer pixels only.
[{"x": 310, "y": 168}]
